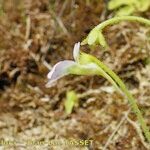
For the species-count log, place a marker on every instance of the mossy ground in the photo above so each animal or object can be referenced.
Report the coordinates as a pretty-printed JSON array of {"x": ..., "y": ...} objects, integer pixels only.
[{"x": 34, "y": 33}]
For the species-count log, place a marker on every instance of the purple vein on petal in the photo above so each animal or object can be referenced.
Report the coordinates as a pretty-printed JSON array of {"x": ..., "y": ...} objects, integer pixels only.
[{"x": 59, "y": 70}]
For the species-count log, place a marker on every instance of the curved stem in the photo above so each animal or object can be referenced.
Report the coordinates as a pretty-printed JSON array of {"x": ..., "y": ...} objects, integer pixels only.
[
  {"x": 115, "y": 20},
  {"x": 131, "y": 99},
  {"x": 122, "y": 86},
  {"x": 114, "y": 77}
]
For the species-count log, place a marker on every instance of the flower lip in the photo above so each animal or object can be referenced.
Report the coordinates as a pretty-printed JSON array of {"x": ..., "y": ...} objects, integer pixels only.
[
  {"x": 50, "y": 74},
  {"x": 76, "y": 51},
  {"x": 59, "y": 70}
]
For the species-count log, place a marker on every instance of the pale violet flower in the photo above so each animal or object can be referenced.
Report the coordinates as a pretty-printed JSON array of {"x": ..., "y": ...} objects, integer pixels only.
[
  {"x": 67, "y": 67},
  {"x": 83, "y": 64}
]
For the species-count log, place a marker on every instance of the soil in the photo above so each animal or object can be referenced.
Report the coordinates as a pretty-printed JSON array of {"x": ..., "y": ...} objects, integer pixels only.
[{"x": 36, "y": 34}]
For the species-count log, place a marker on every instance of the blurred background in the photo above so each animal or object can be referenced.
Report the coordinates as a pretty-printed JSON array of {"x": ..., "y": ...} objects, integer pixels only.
[{"x": 36, "y": 34}]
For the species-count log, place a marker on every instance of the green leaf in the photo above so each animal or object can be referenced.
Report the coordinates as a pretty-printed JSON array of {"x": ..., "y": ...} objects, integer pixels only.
[
  {"x": 114, "y": 4},
  {"x": 102, "y": 40},
  {"x": 93, "y": 36},
  {"x": 143, "y": 5},
  {"x": 84, "y": 42},
  {"x": 127, "y": 7},
  {"x": 125, "y": 11},
  {"x": 70, "y": 102}
]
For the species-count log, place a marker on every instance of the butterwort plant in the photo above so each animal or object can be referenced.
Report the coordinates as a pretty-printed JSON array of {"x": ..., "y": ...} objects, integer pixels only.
[
  {"x": 70, "y": 101},
  {"x": 85, "y": 64},
  {"x": 128, "y": 7}
]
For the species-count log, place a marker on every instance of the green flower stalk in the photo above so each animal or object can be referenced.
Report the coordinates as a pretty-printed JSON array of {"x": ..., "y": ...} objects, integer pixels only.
[
  {"x": 85, "y": 64},
  {"x": 96, "y": 36}
]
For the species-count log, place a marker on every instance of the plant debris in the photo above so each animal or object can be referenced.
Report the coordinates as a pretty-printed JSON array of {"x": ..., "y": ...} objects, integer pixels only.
[{"x": 35, "y": 35}]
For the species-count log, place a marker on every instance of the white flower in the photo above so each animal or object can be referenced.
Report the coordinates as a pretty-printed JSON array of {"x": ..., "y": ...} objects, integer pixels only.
[
  {"x": 66, "y": 67},
  {"x": 76, "y": 51},
  {"x": 59, "y": 70}
]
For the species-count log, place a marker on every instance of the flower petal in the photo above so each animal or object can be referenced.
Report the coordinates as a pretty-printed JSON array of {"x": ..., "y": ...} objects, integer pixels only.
[
  {"x": 76, "y": 51},
  {"x": 59, "y": 70}
]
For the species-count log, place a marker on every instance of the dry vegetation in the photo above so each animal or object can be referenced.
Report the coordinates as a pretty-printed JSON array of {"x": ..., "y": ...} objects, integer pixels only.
[{"x": 34, "y": 35}]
